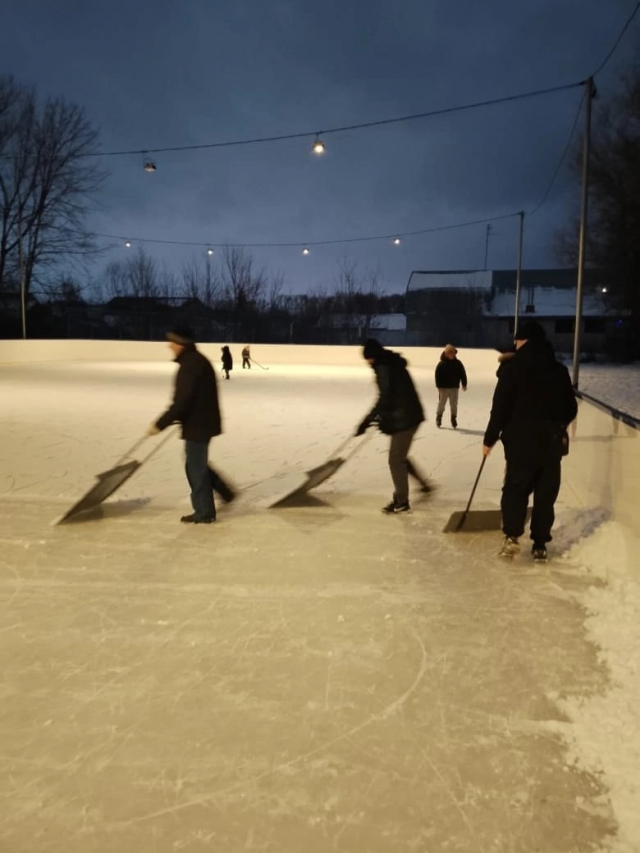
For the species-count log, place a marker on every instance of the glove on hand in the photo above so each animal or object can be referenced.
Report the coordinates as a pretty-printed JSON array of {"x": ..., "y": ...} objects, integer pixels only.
[
  {"x": 363, "y": 427},
  {"x": 153, "y": 430}
]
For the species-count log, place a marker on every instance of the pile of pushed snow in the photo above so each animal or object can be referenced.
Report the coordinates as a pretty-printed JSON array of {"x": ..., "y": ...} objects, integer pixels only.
[{"x": 605, "y": 730}]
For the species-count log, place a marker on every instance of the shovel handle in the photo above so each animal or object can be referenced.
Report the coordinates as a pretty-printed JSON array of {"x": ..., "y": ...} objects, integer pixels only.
[
  {"x": 165, "y": 438},
  {"x": 140, "y": 442},
  {"x": 132, "y": 450},
  {"x": 475, "y": 485}
]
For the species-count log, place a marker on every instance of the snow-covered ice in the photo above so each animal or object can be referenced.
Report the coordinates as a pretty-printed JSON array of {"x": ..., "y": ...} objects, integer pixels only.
[
  {"x": 320, "y": 678},
  {"x": 615, "y": 384}
]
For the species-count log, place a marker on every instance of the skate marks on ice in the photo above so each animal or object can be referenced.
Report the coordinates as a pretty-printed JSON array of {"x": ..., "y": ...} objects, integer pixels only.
[
  {"x": 369, "y": 687},
  {"x": 318, "y": 679}
]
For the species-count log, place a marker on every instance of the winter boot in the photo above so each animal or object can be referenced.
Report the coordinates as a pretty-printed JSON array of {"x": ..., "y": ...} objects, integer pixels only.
[
  {"x": 394, "y": 507},
  {"x": 539, "y": 552},
  {"x": 439, "y": 421},
  {"x": 510, "y": 548},
  {"x": 454, "y": 422},
  {"x": 196, "y": 519}
]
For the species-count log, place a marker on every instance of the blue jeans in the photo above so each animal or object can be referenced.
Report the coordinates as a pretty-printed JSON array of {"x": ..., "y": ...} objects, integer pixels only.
[{"x": 199, "y": 477}]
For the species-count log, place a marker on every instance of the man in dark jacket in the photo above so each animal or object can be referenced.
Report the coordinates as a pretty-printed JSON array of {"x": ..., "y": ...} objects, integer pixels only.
[
  {"x": 533, "y": 404},
  {"x": 195, "y": 406},
  {"x": 398, "y": 413},
  {"x": 450, "y": 373}
]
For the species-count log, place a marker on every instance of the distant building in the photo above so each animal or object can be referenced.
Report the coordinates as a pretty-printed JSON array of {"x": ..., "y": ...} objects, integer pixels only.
[
  {"x": 389, "y": 329},
  {"x": 476, "y": 308}
]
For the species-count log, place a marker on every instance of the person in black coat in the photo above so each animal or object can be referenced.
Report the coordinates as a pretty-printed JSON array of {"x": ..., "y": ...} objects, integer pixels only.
[
  {"x": 227, "y": 362},
  {"x": 398, "y": 412},
  {"x": 450, "y": 374},
  {"x": 195, "y": 406},
  {"x": 533, "y": 404}
]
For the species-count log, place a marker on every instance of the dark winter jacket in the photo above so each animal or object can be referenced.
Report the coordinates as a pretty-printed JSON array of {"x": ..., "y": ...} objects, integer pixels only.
[
  {"x": 398, "y": 406},
  {"x": 227, "y": 359},
  {"x": 533, "y": 404},
  {"x": 450, "y": 373},
  {"x": 195, "y": 399}
]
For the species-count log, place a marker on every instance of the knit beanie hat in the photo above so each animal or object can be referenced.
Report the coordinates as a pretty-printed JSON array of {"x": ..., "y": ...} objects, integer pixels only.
[
  {"x": 529, "y": 330},
  {"x": 372, "y": 348},
  {"x": 182, "y": 335}
]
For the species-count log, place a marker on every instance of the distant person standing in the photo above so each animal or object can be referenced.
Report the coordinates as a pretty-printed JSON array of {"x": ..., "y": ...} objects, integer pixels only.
[
  {"x": 227, "y": 362},
  {"x": 195, "y": 406},
  {"x": 533, "y": 404},
  {"x": 450, "y": 374},
  {"x": 398, "y": 413},
  {"x": 246, "y": 357}
]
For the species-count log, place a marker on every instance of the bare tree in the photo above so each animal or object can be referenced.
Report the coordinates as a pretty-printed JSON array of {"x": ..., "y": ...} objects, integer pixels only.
[
  {"x": 112, "y": 282},
  {"x": 243, "y": 287},
  {"x": 614, "y": 201},
  {"x": 201, "y": 281},
  {"x": 275, "y": 299},
  {"x": 47, "y": 180},
  {"x": 142, "y": 275},
  {"x": 166, "y": 282},
  {"x": 135, "y": 276},
  {"x": 348, "y": 285}
]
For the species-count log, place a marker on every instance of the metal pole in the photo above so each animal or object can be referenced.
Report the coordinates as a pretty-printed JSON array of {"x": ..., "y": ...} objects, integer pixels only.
[
  {"x": 23, "y": 297},
  {"x": 486, "y": 246},
  {"x": 590, "y": 92},
  {"x": 516, "y": 313}
]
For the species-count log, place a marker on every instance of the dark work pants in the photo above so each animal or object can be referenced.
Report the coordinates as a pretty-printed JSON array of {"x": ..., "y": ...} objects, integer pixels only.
[
  {"x": 522, "y": 478},
  {"x": 246, "y": 362},
  {"x": 401, "y": 466},
  {"x": 203, "y": 480}
]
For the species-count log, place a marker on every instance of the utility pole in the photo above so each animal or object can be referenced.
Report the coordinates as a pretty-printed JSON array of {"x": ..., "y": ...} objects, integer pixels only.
[
  {"x": 486, "y": 246},
  {"x": 516, "y": 313},
  {"x": 23, "y": 295},
  {"x": 590, "y": 94}
]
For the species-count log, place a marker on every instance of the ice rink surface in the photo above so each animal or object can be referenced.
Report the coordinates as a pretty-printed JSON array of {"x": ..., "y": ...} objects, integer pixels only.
[{"x": 300, "y": 680}]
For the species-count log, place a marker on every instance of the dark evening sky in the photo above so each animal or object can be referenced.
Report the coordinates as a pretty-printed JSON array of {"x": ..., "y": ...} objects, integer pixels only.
[{"x": 199, "y": 71}]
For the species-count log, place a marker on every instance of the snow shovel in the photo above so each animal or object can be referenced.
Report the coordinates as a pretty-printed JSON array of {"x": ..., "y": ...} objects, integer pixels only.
[
  {"x": 111, "y": 480},
  {"x": 479, "y": 519},
  {"x": 483, "y": 519},
  {"x": 321, "y": 474}
]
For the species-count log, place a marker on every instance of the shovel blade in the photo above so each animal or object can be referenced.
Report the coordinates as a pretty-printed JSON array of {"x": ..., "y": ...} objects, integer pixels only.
[
  {"x": 108, "y": 483},
  {"x": 476, "y": 520}
]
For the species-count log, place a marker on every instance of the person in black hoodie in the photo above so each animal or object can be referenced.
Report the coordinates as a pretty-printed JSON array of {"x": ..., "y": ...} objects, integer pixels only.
[
  {"x": 227, "y": 362},
  {"x": 533, "y": 404},
  {"x": 398, "y": 413},
  {"x": 195, "y": 406},
  {"x": 450, "y": 373}
]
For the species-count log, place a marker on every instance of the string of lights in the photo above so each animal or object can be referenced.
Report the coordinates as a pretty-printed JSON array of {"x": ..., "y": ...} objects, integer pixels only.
[
  {"x": 319, "y": 146},
  {"x": 395, "y": 238}
]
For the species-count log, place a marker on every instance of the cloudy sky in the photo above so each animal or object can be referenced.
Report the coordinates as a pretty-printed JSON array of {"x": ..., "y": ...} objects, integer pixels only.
[{"x": 184, "y": 72}]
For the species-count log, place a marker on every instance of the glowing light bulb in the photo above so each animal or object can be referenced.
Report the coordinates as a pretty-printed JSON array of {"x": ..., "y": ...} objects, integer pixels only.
[
  {"x": 305, "y": 251},
  {"x": 127, "y": 244},
  {"x": 209, "y": 252},
  {"x": 318, "y": 146},
  {"x": 397, "y": 241}
]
